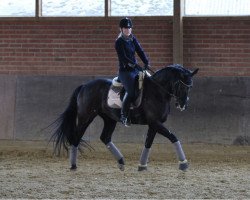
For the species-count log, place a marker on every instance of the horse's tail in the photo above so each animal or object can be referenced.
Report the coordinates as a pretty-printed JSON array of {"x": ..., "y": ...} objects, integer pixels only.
[{"x": 65, "y": 132}]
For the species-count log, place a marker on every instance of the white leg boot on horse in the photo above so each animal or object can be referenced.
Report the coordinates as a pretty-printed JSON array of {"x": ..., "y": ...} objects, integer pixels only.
[
  {"x": 117, "y": 154},
  {"x": 73, "y": 157},
  {"x": 144, "y": 159},
  {"x": 183, "y": 163}
]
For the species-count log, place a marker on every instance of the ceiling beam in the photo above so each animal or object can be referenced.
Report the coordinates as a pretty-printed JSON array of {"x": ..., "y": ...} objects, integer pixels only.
[
  {"x": 107, "y": 8},
  {"x": 178, "y": 32},
  {"x": 38, "y": 9}
]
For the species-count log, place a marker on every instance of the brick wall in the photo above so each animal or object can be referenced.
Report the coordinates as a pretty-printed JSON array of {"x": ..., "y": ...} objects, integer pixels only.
[
  {"x": 30, "y": 101},
  {"x": 76, "y": 47},
  {"x": 218, "y": 46}
]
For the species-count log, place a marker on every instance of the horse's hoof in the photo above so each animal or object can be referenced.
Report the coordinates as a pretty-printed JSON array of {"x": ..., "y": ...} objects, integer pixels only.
[
  {"x": 121, "y": 167},
  {"x": 142, "y": 168},
  {"x": 121, "y": 164},
  {"x": 73, "y": 167},
  {"x": 183, "y": 165}
]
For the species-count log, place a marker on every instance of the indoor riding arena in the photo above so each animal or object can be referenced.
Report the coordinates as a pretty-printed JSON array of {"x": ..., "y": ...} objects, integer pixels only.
[{"x": 49, "y": 48}]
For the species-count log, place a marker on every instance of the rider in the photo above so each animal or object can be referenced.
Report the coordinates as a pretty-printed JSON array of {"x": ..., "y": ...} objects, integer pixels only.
[{"x": 126, "y": 46}]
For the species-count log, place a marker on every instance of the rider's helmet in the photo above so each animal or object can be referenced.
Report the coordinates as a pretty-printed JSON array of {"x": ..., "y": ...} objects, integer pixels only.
[{"x": 126, "y": 23}]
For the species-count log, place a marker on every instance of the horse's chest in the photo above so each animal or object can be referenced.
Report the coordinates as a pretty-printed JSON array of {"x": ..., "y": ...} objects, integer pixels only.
[
  {"x": 158, "y": 112},
  {"x": 164, "y": 112}
]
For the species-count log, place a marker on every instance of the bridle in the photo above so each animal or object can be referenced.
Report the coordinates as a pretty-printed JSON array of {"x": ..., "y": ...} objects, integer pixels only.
[{"x": 179, "y": 82}]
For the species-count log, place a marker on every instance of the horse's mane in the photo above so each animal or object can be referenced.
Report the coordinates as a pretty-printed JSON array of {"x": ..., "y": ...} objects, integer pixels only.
[
  {"x": 179, "y": 68},
  {"x": 175, "y": 70},
  {"x": 175, "y": 67}
]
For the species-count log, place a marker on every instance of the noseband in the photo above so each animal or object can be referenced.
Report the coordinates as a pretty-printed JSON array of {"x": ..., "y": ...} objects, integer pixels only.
[
  {"x": 180, "y": 82},
  {"x": 177, "y": 87},
  {"x": 187, "y": 85}
]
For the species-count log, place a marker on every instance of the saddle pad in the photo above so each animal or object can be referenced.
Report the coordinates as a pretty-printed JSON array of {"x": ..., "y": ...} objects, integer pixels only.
[{"x": 114, "y": 100}]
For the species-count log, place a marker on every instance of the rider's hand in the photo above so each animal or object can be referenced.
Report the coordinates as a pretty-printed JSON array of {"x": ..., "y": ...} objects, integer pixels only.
[
  {"x": 146, "y": 67},
  {"x": 138, "y": 67}
]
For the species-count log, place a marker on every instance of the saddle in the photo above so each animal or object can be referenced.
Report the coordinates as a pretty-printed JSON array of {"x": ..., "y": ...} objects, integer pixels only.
[{"x": 115, "y": 91}]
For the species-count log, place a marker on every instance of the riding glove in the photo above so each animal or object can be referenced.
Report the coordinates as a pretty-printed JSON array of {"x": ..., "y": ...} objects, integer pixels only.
[
  {"x": 146, "y": 67},
  {"x": 137, "y": 66}
]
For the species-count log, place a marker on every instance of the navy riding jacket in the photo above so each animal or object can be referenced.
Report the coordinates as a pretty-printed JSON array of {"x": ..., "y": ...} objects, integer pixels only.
[{"x": 126, "y": 49}]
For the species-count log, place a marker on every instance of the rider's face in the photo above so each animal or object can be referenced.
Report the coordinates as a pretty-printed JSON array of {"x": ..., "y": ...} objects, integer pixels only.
[{"x": 127, "y": 31}]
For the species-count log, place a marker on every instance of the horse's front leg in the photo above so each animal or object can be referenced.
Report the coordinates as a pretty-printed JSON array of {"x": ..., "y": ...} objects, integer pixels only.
[
  {"x": 146, "y": 150},
  {"x": 117, "y": 154},
  {"x": 183, "y": 164}
]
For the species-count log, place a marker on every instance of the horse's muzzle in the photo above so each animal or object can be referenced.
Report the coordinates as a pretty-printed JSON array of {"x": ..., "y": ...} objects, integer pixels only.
[
  {"x": 181, "y": 106},
  {"x": 178, "y": 106}
]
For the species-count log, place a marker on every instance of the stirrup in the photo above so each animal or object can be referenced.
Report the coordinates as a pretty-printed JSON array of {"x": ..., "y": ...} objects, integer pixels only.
[{"x": 125, "y": 121}]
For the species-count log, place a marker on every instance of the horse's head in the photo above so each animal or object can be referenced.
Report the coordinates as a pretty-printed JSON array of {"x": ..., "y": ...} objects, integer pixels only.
[
  {"x": 182, "y": 86},
  {"x": 175, "y": 81}
]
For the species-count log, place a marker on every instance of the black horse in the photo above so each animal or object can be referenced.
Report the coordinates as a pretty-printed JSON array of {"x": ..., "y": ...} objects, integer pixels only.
[{"x": 90, "y": 100}]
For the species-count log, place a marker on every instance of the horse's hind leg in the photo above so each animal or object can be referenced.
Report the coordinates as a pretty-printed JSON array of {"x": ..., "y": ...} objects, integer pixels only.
[
  {"x": 81, "y": 128},
  {"x": 108, "y": 129}
]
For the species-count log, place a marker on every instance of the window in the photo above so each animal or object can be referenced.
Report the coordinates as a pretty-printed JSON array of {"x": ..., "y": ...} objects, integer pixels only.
[
  {"x": 85, "y": 8},
  {"x": 141, "y": 8},
  {"x": 74, "y": 8},
  {"x": 217, "y": 7},
  {"x": 20, "y": 8}
]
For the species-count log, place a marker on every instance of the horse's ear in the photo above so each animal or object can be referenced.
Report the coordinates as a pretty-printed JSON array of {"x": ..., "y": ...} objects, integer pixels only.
[{"x": 194, "y": 72}]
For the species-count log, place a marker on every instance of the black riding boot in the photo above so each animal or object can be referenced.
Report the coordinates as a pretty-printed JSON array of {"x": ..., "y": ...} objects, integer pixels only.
[{"x": 125, "y": 110}]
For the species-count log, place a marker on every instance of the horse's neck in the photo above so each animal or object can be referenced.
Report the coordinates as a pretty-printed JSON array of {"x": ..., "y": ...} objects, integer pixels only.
[
  {"x": 164, "y": 79},
  {"x": 157, "y": 88}
]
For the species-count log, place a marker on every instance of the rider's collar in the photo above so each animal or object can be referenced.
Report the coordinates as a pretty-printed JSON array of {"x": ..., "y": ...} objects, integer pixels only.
[{"x": 126, "y": 38}]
